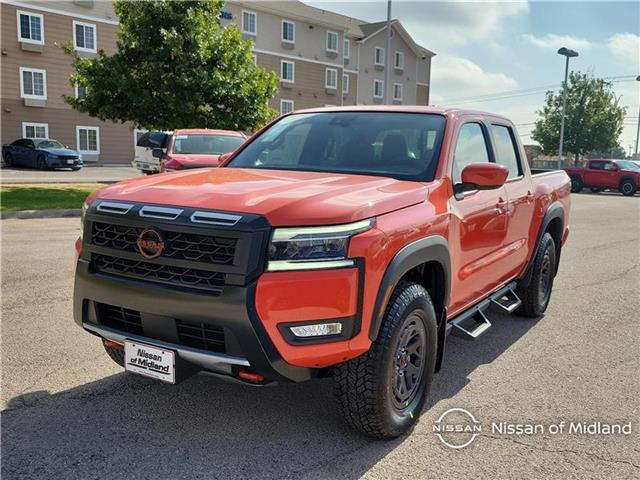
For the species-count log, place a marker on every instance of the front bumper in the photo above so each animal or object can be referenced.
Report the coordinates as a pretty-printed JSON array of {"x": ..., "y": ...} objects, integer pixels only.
[
  {"x": 248, "y": 344},
  {"x": 64, "y": 163}
]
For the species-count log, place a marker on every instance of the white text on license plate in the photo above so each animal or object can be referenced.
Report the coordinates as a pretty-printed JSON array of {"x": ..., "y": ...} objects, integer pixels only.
[{"x": 149, "y": 361}]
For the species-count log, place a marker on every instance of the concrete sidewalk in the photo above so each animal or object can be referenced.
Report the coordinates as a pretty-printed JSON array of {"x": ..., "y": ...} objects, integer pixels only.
[{"x": 88, "y": 174}]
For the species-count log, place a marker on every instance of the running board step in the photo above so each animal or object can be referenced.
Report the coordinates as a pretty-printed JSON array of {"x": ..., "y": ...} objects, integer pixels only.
[
  {"x": 506, "y": 299},
  {"x": 471, "y": 326}
]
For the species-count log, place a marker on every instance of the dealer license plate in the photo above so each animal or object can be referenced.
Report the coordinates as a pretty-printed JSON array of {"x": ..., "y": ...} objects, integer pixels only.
[
  {"x": 70, "y": 162},
  {"x": 149, "y": 361}
]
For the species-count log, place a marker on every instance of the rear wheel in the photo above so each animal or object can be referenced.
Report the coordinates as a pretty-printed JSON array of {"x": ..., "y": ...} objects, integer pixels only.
[
  {"x": 42, "y": 163},
  {"x": 628, "y": 187},
  {"x": 382, "y": 392},
  {"x": 116, "y": 353},
  {"x": 536, "y": 295},
  {"x": 576, "y": 185},
  {"x": 8, "y": 160}
]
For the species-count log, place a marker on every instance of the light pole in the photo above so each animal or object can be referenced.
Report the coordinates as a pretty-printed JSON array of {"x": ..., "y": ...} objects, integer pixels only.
[
  {"x": 638, "y": 131},
  {"x": 568, "y": 53}
]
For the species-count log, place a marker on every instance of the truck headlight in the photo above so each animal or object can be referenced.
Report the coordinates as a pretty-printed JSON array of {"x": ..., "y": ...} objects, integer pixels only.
[{"x": 309, "y": 248}]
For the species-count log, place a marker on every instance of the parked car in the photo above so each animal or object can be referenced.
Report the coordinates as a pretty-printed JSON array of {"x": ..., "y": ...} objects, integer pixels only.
[
  {"x": 42, "y": 153},
  {"x": 605, "y": 174},
  {"x": 196, "y": 148},
  {"x": 144, "y": 159},
  {"x": 344, "y": 242}
]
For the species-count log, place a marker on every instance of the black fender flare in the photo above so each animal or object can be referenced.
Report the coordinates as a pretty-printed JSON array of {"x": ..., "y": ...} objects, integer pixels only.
[
  {"x": 555, "y": 210},
  {"x": 428, "y": 249}
]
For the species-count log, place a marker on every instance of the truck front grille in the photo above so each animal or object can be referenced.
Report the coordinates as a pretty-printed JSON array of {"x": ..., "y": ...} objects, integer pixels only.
[
  {"x": 200, "y": 335},
  {"x": 119, "y": 318},
  {"x": 179, "y": 245},
  {"x": 211, "y": 282}
]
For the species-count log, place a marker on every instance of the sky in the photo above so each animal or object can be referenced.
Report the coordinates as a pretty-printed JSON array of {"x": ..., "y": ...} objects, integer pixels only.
[{"x": 486, "y": 48}]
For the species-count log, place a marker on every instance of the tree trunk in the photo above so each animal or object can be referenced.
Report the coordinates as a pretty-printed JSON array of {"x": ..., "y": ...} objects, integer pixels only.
[{"x": 576, "y": 159}]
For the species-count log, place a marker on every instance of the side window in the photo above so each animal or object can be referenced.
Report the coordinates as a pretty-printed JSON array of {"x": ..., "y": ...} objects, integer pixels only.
[
  {"x": 471, "y": 147},
  {"x": 608, "y": 166},
  {"x": 596, "y": 166},
  {"x": 506, "y": 150}
]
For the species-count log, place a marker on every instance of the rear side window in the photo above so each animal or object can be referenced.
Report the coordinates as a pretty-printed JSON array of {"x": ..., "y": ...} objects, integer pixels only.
[
  {"x": 506, "y": 152},
  {"x": 471, "y": 147}
]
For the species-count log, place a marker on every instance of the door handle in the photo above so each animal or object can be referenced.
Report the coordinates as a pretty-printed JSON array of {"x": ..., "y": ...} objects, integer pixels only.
[{"x": 501, "y": 206}]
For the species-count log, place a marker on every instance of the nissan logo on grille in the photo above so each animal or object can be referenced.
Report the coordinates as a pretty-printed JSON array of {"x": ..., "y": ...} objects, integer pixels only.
[{"x": 150, "y": 243}]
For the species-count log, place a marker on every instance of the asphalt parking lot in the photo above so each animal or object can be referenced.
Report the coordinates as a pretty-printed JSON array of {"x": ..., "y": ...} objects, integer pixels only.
[
  {"x": 107, "y": 174},
  {"x": 69, "y": 412}
]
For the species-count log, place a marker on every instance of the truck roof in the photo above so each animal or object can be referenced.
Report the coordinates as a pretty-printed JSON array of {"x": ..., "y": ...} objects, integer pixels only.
[
  {"x": 448, "y": 111},
  {"x": 206, "y": 131}
]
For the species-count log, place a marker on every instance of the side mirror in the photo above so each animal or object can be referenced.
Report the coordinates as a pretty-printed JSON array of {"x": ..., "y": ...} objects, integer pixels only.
[
  {"x": 157, "y": 152},
  {"x": 222, "y": 159},
  {"x": 482, "y": 176}
]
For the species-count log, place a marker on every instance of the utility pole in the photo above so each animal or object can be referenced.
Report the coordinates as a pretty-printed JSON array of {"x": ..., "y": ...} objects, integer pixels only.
[
  {"x": 568, "y": 54},
  {"x": 638, "y": 130},
  {"x": 387, "y": 55}
]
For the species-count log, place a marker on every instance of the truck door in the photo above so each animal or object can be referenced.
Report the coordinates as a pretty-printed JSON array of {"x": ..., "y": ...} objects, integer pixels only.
[
  {"x": 520, "y": 197},
  {"x": 610, "y": 175},
  {"x": 478, "y": 224},
  {"x": 593, "y": 174}
]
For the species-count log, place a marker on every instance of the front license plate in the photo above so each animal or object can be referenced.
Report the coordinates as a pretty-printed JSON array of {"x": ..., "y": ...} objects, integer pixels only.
[
  {"x": 70, "y": 162},
  {"x": 149, "y": 361}
]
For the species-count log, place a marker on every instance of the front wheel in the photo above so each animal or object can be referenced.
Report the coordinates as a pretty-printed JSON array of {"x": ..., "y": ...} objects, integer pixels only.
[
  {"x": 576, "y": 185},
  {"x": 8, "y": 160},
  {"x": 628, "y": 188},
  {"x": 536, "y": 294},
  {"x": 42, "y": 163},
  {"x": 382, "y": 392}
]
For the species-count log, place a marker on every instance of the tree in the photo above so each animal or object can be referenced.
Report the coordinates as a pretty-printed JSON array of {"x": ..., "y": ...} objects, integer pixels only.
[
  {"x": 593, "y": 118},
  {"x": 615, "y": 152},
  {"x": 175, "y": 67}
]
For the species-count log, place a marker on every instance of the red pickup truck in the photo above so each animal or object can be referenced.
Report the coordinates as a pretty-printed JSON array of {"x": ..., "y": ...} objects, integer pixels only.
[
  {"x": 344, "y": 242},
  {"x": 603, "y": 174}
]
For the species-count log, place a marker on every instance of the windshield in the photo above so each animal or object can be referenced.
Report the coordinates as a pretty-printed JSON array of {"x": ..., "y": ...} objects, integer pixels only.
[
  {"x": 48, "y": 144},
  {"x": 206, "y": 144},
  {"x": 399, "y": 145},
  {"x": 627, "y": 165}
]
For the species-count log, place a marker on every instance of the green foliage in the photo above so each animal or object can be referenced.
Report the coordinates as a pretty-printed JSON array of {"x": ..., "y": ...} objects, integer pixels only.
[
  {"x": 42, "y": 198},
  {"x": 593, "y": 119},
  {"x": 175, "y": 67}
]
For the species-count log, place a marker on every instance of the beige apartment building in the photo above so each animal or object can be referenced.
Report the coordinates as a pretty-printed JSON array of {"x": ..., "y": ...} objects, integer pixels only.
[{"x": 322, "y": 58}]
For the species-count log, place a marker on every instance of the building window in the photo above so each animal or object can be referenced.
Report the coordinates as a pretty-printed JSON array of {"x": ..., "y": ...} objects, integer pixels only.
[
  {"x": 84, "y": 37},
  {"x": 345, "y": 84},
  {"x": 288, "y": 31},
  {"x": 378, "y": 89},
  {"x": 286, "y": 106},
  {"x": 332, "y": 42},
  {"x": 378, "y": 58},
  {"x": 249, "y": 22},
  {"x": 33, "y": 83},
  {"x": 30, "y": 27},
  {"x": 331, "y": 78},
  {"x": 35, "y": 130},
  {"x": 88, "y": 139},
  {"x": 287, "y": 71},
  {"x": 81, "y": 92},
  {"x": 397, "y": 91},
  {"x": 398, "y": 61},
  {"x": 346, "y": 52}
]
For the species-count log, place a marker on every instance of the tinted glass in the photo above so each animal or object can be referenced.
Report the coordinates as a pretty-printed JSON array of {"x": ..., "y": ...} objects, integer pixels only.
[
  {"x": 471, "y": 147},
  {"x": 506, "y": 153},
  {"x": 49, "y": 144},
  {"x": 398, "y": 145},
  {"x": 206, "y": 144},
  {"x": 596, "y": 166}
]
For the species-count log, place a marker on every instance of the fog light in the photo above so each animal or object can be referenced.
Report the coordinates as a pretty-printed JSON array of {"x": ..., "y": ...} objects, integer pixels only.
[{"x": 317, "y": 330}]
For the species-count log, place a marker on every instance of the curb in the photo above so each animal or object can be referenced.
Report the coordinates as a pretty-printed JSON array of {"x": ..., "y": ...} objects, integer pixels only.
[{"x": 29, "y": 214}]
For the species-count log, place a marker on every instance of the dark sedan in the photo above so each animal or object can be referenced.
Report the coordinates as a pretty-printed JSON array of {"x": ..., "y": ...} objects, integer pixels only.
[{"x": 42, "y": 153}]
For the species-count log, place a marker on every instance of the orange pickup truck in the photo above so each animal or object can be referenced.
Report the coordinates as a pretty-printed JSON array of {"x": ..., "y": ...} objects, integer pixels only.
[{"x": 344, "y": 242}]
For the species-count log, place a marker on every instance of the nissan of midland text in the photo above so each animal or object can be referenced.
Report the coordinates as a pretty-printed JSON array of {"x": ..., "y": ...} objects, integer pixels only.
[{"x": 345, "y": 242}]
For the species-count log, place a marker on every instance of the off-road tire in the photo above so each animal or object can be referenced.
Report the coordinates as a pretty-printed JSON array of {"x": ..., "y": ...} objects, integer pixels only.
[
  {"x": 364, "y": 386},
  {"x": 116, "y": 354},
  {"x": 628, "y": 187},
  {"x": 536, "y": 295},
  {"x": 576, "y": 185}
]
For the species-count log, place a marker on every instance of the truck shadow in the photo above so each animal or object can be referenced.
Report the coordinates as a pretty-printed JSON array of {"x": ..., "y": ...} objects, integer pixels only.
[{"x": 130, "y": 427}]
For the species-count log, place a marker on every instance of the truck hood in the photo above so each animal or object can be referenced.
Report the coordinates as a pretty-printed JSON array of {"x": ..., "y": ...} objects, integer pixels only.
[
  {"x": 284, "y": 197},
  {"x": 177, "y": 162},
  {"x": 60, "y": 151}
]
